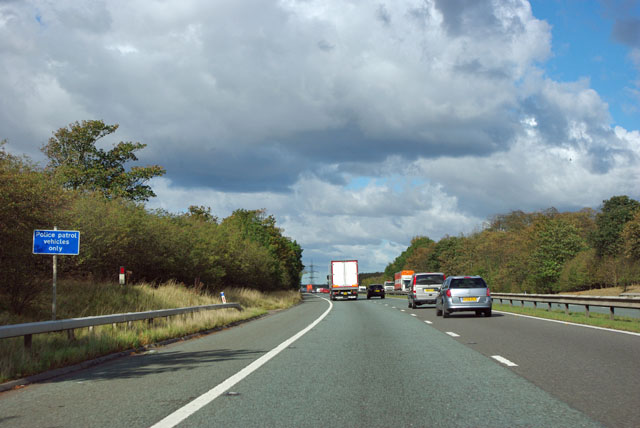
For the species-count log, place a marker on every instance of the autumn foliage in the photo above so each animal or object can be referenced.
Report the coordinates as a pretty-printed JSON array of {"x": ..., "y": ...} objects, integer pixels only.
[
  {"x": 540, "y": 252},
  {"x": 94, "y": 193}
]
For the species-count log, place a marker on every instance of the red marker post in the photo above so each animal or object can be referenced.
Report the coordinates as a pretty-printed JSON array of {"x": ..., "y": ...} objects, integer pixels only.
[{"x": 121, "y": 275}]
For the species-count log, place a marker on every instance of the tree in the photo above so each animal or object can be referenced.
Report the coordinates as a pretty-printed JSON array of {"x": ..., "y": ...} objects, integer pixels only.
[
  {"x": 555, "y": 241},
  {"x": 79, "y": 164},
  {"x": 616, "y": 212},
  {"x": 631, "y": 237},
  {"x": 28, "y": 201}
]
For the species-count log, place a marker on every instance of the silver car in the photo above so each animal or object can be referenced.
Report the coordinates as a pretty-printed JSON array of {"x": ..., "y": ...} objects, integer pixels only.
[
  {"x": 425, "y": 287},
  {"x": 464, "y": 293}
]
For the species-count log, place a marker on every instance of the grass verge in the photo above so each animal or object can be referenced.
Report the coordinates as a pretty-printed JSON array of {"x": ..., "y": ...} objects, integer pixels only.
[
  {"x": 76, "y": 299},
  {"x": 594, "y": 319}
]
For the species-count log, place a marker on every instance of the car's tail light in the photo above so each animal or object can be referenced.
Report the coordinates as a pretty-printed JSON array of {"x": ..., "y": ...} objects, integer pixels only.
[
  {"x": 415, "y": 279},
  {"x": 448, "y": 293},
  {"x": 488, "y": 292}
]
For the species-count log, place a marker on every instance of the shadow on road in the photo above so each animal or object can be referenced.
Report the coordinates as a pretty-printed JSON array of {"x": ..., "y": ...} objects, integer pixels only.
[{"x": 152, "y": 363}]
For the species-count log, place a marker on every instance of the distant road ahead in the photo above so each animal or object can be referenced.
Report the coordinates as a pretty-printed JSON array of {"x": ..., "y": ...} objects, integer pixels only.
[{"x": 365, "y": 364}]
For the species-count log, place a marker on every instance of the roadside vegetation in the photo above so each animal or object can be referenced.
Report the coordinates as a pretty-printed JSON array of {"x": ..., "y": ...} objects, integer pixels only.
[
  {"x": 81, "y": 299},
  {"x": 91, "y": 190},
  {"x": 540, "y": 252},
  {"x": 594, "y": 319},
  {"x": 179, "y": 259}
]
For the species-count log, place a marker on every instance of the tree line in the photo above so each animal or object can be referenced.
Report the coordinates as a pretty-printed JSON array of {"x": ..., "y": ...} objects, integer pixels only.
[
  {"x": 540, "y": 252},
  {"x": 89, "y": 189}
]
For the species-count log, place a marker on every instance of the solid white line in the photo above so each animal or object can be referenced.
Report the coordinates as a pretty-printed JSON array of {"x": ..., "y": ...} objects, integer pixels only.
[
  {"x": 452, "y": 334},
  {"x": 184, "y": 412},
  {"x": 428, "y": 322},
  {"x": 504, "y": 361},
  {"x": 570, "y": 323}
]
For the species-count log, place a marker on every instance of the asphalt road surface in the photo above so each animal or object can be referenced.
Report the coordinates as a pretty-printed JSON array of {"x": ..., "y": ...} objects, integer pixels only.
[{"x": 369, "y": 363}]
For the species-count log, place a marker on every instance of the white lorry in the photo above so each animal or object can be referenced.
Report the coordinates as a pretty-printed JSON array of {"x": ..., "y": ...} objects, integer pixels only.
[{"x": 343, "y": 279}]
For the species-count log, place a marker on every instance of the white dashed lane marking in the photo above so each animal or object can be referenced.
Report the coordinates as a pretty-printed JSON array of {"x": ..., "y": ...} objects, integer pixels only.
[
  {"x": 504, "y": 361},
  {"x": 452, "y": 334}
]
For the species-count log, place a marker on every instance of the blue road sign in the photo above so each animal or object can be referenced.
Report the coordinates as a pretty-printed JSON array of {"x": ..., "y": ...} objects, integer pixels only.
[{"x": 56, "y": 242}]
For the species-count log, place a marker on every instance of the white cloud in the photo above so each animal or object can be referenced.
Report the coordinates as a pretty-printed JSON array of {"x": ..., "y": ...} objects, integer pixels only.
[{"x": 442, "y": 109}]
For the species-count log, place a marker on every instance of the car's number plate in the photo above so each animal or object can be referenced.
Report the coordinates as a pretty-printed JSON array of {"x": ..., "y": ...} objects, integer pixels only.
[
  {"x": 429, "y": 289},
  {"x": 469, "y": 299}
]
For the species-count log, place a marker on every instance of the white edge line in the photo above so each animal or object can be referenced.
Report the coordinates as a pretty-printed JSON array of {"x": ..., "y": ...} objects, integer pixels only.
[
  {"x": 570, "y": 323},
  {"x": 187, "y": 410},
  {"x": 504, "y": 361}
]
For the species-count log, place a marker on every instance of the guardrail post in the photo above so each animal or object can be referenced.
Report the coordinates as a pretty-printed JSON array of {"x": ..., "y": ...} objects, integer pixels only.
[
  {"x": 611, "y": 312},
  {"x": 535, "y": 305},
  {"x": 566, "y": 309},
  {"x": 586, "y": 310},
  {"x": 70, "y": 334},
  {"x": 510, "y": 302},
  {"x": 522, "y": 303},
  {"x": 27, "y": 342},
  {"x": 549, "y": 307}
]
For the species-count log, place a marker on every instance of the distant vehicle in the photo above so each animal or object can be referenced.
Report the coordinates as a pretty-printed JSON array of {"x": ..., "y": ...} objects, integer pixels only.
[
  {"x": 343, "y": 279},
  {"x": 323, "y": 290},
  {"x": 425, "y": 288},
  {"x": 402, "y": 280},
  {"x": 388, "y": 286},
  {"x": 463, "y": 293},
  {"x": 309, "y": 288},
  {"x": 375, "y": 290},
  {"x": 362, "y": 289}
]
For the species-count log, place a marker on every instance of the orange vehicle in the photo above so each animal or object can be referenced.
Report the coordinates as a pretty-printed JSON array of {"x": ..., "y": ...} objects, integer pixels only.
[
  {"x": 309, "y": 288},
  {"x": 402, "y": 280}
]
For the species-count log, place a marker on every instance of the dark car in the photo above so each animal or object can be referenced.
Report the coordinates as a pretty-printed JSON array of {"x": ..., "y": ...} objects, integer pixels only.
[{"x": 375, "y": 290}]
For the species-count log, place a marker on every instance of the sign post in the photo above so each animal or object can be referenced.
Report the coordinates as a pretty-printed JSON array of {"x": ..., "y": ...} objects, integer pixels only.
[{"x": 56, "y": 242}]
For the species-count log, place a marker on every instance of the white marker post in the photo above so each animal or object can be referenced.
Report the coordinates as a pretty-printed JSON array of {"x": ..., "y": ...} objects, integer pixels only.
[
  {"x": 224, "y": 299},
  {"x": 121, "y": 276}
]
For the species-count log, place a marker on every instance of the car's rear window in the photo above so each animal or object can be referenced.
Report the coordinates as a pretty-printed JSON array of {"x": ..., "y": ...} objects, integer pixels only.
[
  {"x": 376, "y": 286},
  {"x": 429, "y": 279},
  {"x": 468, "y": 283}
]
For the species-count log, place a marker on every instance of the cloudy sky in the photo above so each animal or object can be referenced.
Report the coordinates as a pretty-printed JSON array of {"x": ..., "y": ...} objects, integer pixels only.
[{"x": 358, "y": 124}]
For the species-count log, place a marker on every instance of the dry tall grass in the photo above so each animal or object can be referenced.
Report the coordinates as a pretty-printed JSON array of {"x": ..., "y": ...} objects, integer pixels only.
[{"x": 78, "y": 299}]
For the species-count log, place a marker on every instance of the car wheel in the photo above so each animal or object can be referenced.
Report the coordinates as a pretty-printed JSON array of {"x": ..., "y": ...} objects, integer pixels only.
[
  {"x": 478, "y": 313},
  {"x": 438, "y": 312},
  {"x": 487, "y": 313},
  {"x": 445, "y": 313},
  {"x": 368, "y": 297},
  {"x": 382, "y": 297},
  {"x": 409, "y": 304},
  {"x": 413, "y": 305}
]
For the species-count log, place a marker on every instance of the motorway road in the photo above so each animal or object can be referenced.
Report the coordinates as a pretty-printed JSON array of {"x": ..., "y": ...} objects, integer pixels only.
[{"x": 370, "y": 363}]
